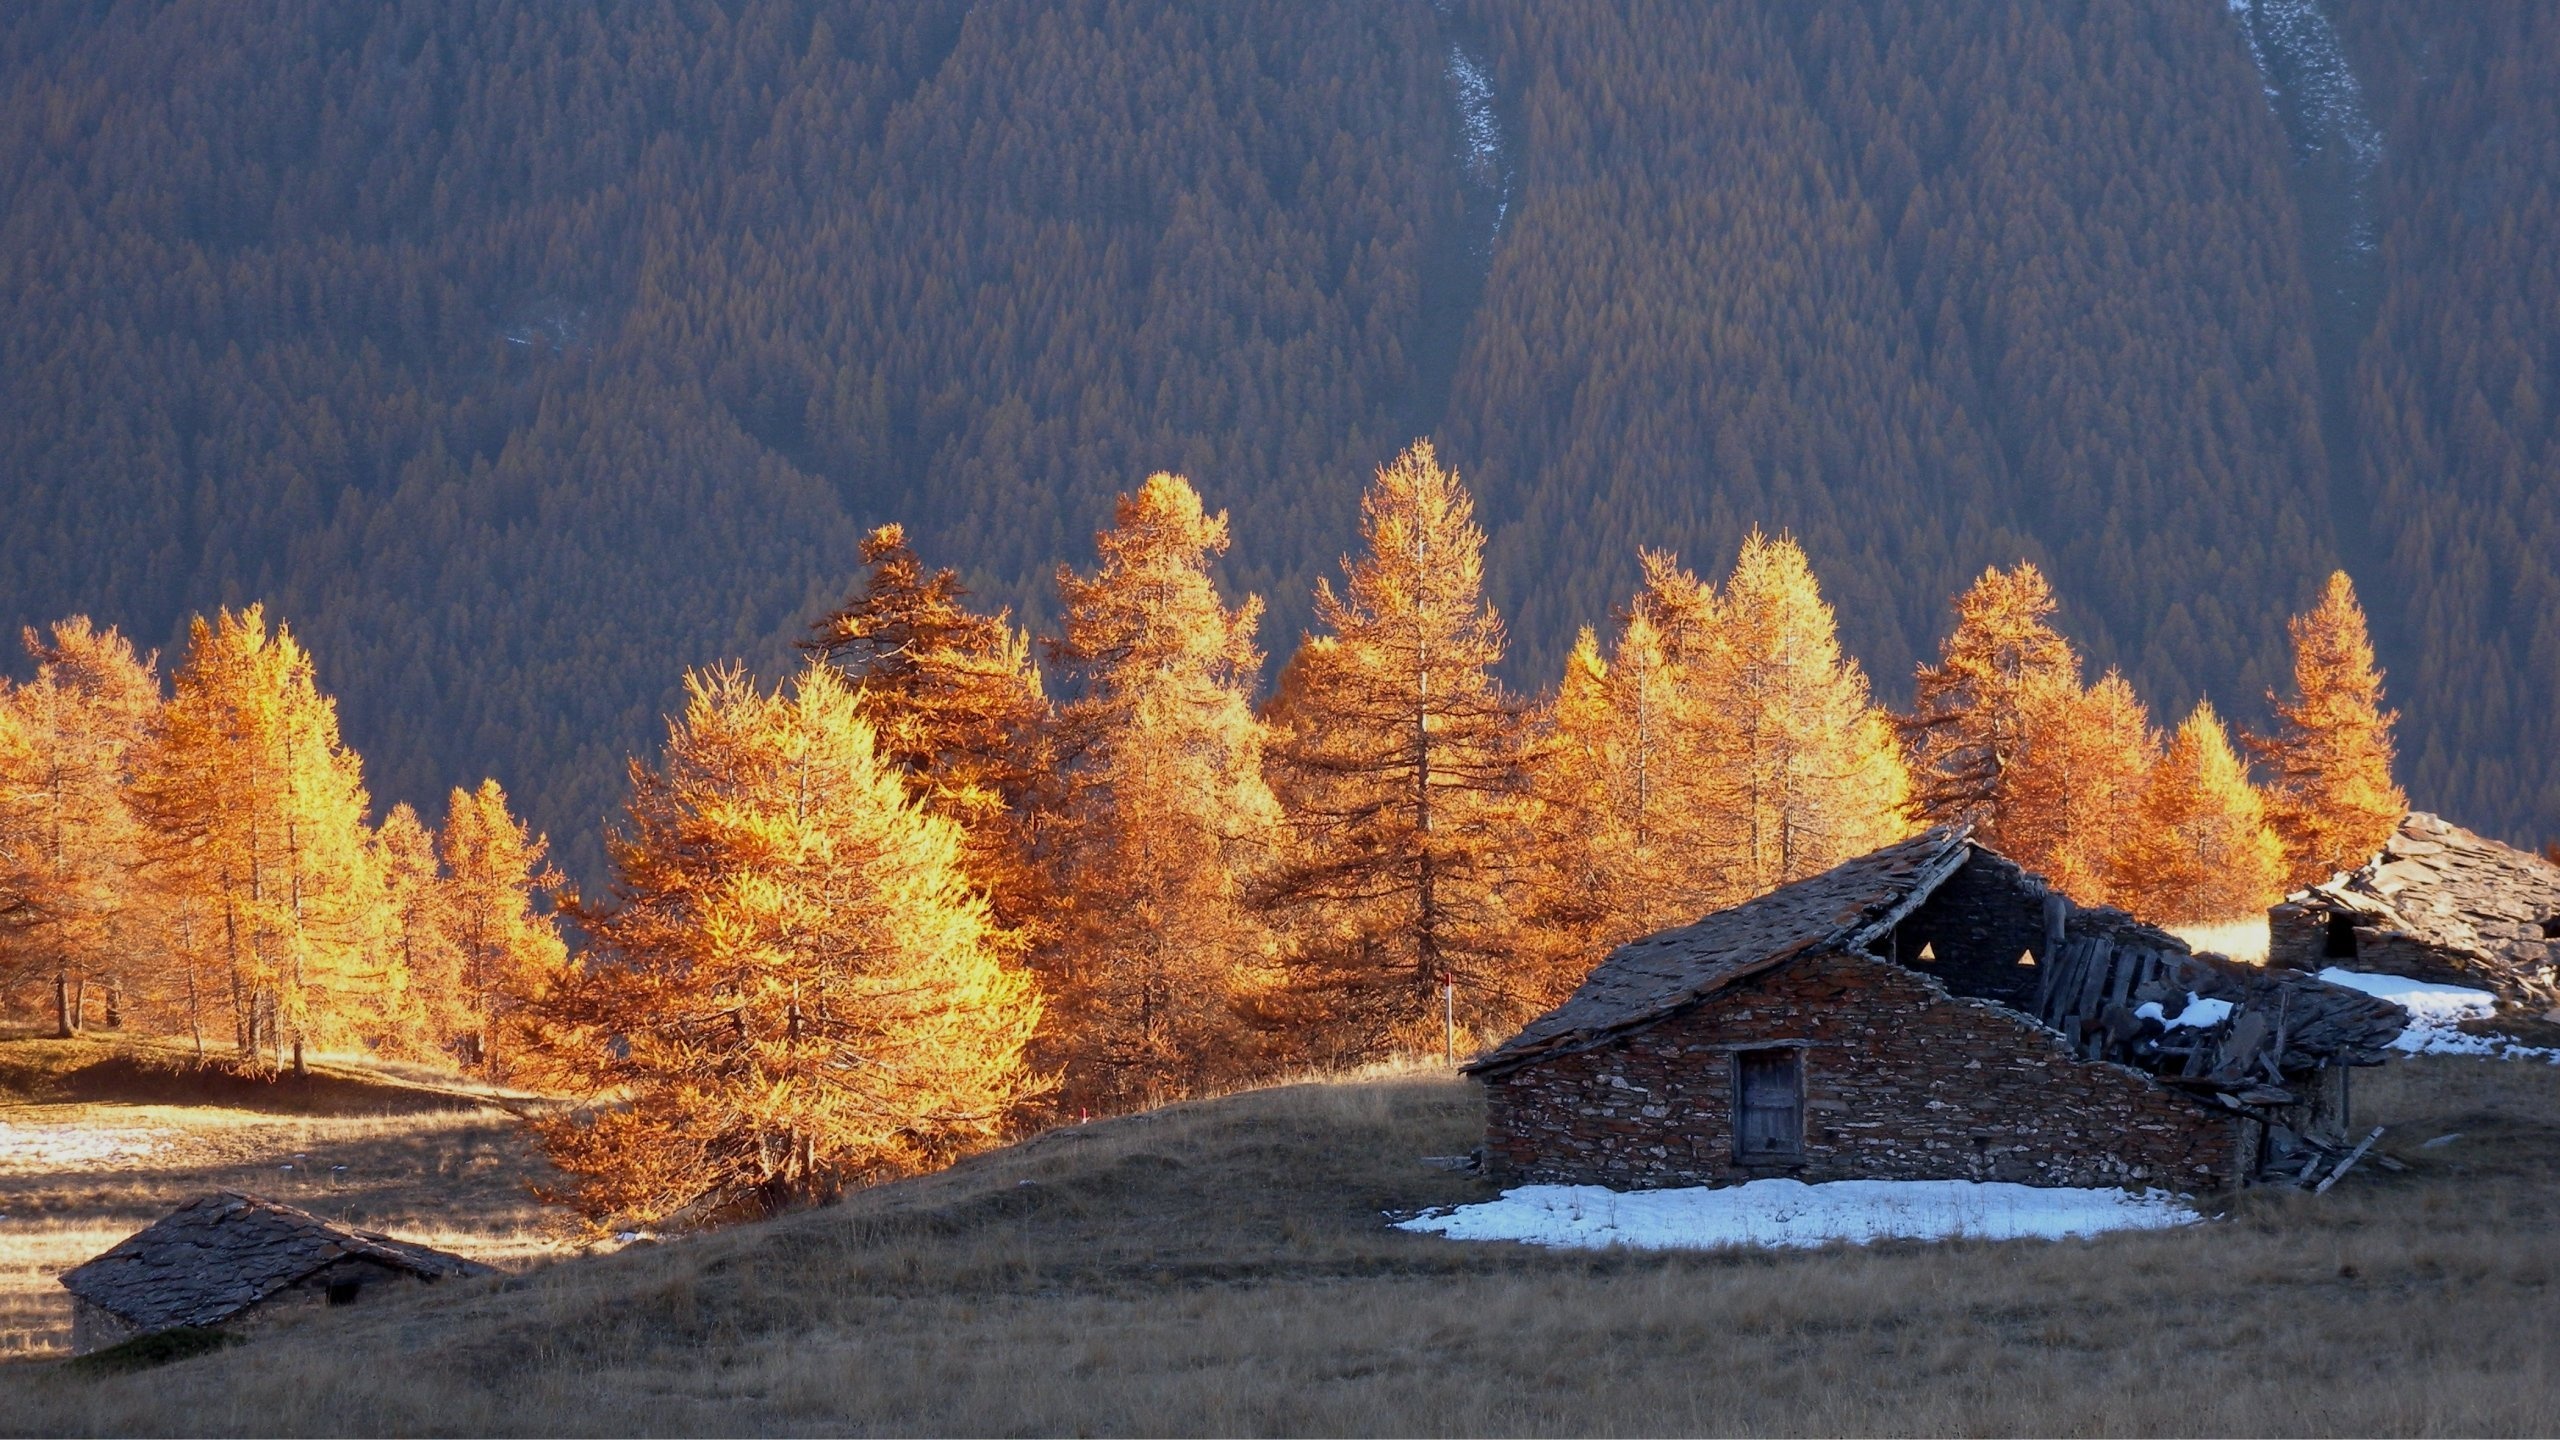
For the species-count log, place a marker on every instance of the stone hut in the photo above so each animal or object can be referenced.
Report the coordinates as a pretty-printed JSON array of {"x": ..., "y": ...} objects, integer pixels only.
[
  {"x": 1928, "y": 1012},
  {"x": 222, "y": 1259},
  {"x": 2439, "y": 903}
]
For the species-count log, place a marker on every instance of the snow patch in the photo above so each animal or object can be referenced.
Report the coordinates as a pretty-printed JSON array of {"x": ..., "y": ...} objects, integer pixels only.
[
  {"x": 2300, "y": 58},
  {"x": 1793, "y": 1213},
  {"x": 2199, "y": 1014},
  {"x": 2436, "y": 1012},
  {"x": 1480, "y": 130}
]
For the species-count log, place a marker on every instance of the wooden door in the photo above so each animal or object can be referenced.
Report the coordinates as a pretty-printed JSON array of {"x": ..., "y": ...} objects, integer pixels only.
[{"x": 1768, "y": 1103}]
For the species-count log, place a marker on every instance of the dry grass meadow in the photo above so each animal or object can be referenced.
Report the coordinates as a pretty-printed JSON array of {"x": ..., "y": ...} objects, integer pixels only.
[
  {"x": 99, "y": 1139},
  {"x": 1222, "y": 1267}
]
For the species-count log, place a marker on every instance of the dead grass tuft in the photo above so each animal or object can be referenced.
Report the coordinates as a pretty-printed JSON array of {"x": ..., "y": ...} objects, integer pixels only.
[{"x": 1222, "y": 1266}]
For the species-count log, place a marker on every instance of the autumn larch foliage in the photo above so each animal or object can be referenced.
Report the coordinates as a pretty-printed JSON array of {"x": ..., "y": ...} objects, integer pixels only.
[
  {"x": 1166, "y": 815},
  {"x": 958, "y": 706},
  {"x": 2073, "y": 799},
  {"x": 1973, "y": 712},
  {"x": 1725, "y": 748},
  {"x": 1811, "y": 767},
  {"x": 70, "y": 844},
  {"x": 258, "y": 838},
  {"x": 1399, "y": 761},
  {"x": 792, "y": 986},
  {"x": 504, "y": 946},
  {"x": 2199, "y": 849},
  {"x": 2332, "y": 798}
]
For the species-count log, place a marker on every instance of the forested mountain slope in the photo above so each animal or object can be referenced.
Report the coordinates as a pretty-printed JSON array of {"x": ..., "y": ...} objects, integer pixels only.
[{"x": 522, "y": 354}]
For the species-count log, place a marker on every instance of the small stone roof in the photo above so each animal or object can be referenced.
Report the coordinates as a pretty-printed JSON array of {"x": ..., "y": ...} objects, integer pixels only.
[
  {"x": 1841, "y": 909},
  {"x": 2453, "y": 891},
  {"x": 220, "y": 1254}
]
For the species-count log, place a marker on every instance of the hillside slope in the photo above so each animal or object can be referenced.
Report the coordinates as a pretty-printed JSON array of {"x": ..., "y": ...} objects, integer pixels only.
[
  {"x": 1223, "y": 1268},
  {"x": 523, "y": 354}
]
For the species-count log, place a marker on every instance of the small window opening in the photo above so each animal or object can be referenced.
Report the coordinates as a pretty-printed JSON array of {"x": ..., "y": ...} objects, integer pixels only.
[
  {"x": 343, "y": 1288},
  {"x": 1928, "y": 953},
  {"x": 1768, "y": 1104},
  {"x": 2342, "y": 936},
  {"x": 2027, "y": 958},
  {"x": 2551, "y": 927}
]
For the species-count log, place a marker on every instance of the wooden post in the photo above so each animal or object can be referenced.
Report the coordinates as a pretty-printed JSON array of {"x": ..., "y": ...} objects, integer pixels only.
[{"x": 1449, "y": 1024}]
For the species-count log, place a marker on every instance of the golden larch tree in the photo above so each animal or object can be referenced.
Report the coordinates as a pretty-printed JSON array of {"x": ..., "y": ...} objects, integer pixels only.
[
  {"x": 2332, "y": 798},
  {"x": 1399, "y": 762},
  {"x": 959, "y": 707},
  {"x": 72, "y": 906},
  {"x": 1970, "y": 723},
  {"x": 2074, "y": 800},
  {"x": 1616, "y": 809},
  {"x": 792, "y": 986},
  {"x": 495, "y": 874},
  {"x": 256, "y": 813},
  {"x": 2199, "y": 849},
  {"x": 424, "y": 1010},
  {"x": 1166, "y": 816},
  {"x": 1805, "y": 770}
]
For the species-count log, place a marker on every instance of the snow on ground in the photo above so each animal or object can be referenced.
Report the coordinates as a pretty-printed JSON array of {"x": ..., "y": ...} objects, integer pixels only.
[
  {"x": 1792, "y": 1213},
  {"x": 71, "y": 1147},
  {"x": 2436, "y": 1012}
]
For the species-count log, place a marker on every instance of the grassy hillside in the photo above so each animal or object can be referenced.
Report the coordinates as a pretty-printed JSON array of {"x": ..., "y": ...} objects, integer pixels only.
[
  {"x": 523, "y": 354},
  {"x": 1223, "y": 1267}
]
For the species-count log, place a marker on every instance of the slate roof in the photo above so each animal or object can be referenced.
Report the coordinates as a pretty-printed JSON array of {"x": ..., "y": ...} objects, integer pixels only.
[
  {"x": 1841, "y": 909},
  {"x": 219, "y": 1254},
  {"x": 2455, "y": 891}
]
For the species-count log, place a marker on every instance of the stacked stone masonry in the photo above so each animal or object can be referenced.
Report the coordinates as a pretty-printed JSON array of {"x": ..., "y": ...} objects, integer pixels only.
[{"x": 1902, "y": 1081}]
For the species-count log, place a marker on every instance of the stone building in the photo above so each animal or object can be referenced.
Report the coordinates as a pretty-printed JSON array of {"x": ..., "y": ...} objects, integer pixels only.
[
  {"x": 1930, "y": 1011},
  {"x": 226, "y": 1258},
  {"x": 2439, "y": 903}
]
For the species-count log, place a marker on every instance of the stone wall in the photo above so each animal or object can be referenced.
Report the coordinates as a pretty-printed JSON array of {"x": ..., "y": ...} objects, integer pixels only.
[
  {"x": 94, "y": 1327},
  {"x": 2298, "y": 939},
  {"x": 1903, "y": 1081},
  {"x": 1977, "y": 924}
]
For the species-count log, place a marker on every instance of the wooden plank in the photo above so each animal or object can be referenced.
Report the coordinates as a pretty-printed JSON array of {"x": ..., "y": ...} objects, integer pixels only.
[
  {"x": 2093, "y": 983},
  {"x": 2350, "y": 1162},
  {"x": 2055, "y": 964},
  {"x": 2126, "y": 965}
]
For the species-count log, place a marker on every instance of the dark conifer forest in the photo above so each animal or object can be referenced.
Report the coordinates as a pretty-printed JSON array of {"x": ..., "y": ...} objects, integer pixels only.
[{"x": 522, "y": 355}]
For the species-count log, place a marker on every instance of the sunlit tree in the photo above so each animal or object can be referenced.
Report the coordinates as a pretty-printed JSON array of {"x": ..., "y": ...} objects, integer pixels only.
[
  {"x": 2332, "y": 798},
  {"x": 1166, "y": 814},
  {"x": 2199, "y": 849},
  {"x": 1399, "y": 761},
  {"x": 792, "y": 985}
]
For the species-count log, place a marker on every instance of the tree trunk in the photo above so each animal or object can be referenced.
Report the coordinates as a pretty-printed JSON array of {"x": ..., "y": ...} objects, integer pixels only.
[{"x": 61, "y": 1005}]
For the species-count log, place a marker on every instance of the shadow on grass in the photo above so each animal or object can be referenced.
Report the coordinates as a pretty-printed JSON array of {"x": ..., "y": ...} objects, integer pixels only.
[
  {"x": 143, "y": 1352},
  {"x": 84, "y": 1072}
]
